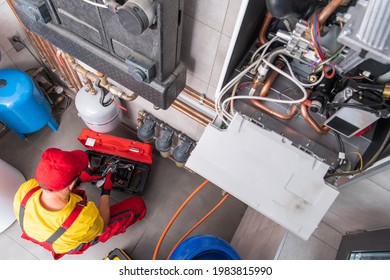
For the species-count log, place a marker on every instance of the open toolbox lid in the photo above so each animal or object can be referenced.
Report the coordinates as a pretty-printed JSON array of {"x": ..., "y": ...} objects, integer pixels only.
[{"x": 108, "y": 144}]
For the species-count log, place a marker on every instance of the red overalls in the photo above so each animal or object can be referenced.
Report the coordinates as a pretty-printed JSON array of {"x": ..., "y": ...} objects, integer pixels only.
[{"x": 122, "y": 215}]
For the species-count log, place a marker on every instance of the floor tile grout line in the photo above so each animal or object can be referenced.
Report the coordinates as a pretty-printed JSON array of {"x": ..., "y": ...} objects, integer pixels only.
[{"x": 21, "y": 245}]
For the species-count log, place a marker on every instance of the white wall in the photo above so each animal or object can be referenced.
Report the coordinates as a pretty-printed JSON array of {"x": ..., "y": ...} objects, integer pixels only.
[{"x": 10, "y": 26}]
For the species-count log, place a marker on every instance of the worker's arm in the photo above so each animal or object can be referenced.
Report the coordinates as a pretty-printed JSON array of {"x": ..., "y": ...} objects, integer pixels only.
[
  {"x": 104, "y": 209},
  {"x": 104, "y": 206}
]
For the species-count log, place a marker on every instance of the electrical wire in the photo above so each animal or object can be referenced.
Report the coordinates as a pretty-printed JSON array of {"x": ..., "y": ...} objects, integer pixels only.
[
  {"x": 201, "y": 186},
  {"x": 360, "y": 159},
  {"x": 293, "y": 74},
  {"x": 197, "y": 224},
  {"x": 313, "y": 31},
  {"x": 341, "y": 146},
  {"x": 266, "y": 47},
  {"x": 96, "y": 4},
  {"x": 368, "y": 164},
  {"x": 68, "y": 101},
  {"x": 362, "y": 107},
  {"x": 103, "y": 96},
  {"x": 220, "y": 107},
  {"x": 227, "y": 87}
]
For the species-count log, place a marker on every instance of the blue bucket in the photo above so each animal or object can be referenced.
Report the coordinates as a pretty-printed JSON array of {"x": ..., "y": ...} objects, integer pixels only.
[{"x": 204, "y": 247}]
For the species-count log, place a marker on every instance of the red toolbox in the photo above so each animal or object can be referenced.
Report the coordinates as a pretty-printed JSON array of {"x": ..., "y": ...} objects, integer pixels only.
[{"x": 132, "y": 159}]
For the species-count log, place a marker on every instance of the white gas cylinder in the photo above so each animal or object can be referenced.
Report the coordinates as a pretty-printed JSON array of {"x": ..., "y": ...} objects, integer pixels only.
[{"x": 97, "y": 117}]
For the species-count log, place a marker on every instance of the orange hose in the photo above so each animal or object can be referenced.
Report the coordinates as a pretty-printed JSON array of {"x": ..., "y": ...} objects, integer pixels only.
[
  {"x": 175, "y": 216},
  {"x": 198, "y": 223}
]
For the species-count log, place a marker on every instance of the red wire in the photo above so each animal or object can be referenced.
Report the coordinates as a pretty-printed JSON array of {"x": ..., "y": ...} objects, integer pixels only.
[{"x": 331, "y": 75}]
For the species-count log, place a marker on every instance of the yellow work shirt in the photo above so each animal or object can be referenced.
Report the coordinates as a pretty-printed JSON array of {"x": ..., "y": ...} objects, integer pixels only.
[{"x": 40, "y": 223}]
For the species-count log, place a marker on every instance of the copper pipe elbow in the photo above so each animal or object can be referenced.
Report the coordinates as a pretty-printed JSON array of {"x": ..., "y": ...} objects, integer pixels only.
[
  {"x": 328, "y": 10},
  {"x": 287, "y": 116},
  {"x": 264, "y": 92},
  {"x": 321, "y": 129},
  {"x": 264, "y": 28}
]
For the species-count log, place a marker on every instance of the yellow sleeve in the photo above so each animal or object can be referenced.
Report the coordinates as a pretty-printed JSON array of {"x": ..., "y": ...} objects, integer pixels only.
[{"x": 24, "y": 188}]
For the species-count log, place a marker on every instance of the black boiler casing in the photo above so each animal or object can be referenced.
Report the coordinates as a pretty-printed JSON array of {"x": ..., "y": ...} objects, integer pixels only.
[{"x": 147, "y": 64}]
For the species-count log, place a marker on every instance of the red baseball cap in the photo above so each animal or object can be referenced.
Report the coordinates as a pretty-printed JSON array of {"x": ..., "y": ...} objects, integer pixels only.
[{"x": 58, "y": 168}]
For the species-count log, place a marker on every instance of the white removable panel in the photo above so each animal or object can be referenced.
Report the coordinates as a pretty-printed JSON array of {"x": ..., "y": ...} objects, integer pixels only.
[{"x": 263, "y": 169}]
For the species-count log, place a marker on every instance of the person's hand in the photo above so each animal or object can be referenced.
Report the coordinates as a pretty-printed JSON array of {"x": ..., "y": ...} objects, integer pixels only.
[
  {"x": 107, "y": 186},
  {"x": 89, "y": 175}
]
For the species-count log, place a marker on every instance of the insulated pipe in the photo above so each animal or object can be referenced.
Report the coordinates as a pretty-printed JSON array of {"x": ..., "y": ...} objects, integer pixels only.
[
  {"x": 264, "y": 92},
  {"x": 310, "y": 121},
  {"x": 328, "y": 10},
  {"x": 264, "y": 28}
]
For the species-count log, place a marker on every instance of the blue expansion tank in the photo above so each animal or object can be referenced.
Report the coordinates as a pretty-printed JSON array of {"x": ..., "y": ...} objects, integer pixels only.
[{"x": 23, "y": 107}]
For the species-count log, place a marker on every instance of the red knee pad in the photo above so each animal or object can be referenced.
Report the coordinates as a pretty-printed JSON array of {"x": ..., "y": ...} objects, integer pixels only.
[{"x": 137, "y": 204}]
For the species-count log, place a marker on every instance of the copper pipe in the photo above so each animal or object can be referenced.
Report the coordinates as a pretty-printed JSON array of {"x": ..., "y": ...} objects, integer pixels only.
[
  {"x": 264, "y": 92},
  {"x": 188, "y": 114},
  {"x": 47, "y": 55},
  {"x": 49, "y": 47},
  {"x": 310, "y": 121},
  {"x": 191, "y": 112},
  {"x": 271, "y": 79},
  {"x": 328, "y": 10},
  {"x": 64, "y": 67},
  {"x": 34, "y": 43},
  {"x": 264, "y": 27},
  {"x": 196, "y": 96},
  {"x": 70, "y": 74},
  {"x": 73, "y": 75}
]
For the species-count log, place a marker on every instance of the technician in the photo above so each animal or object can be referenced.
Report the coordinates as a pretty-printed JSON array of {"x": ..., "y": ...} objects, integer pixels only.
[{"x": 53, "y": 214}]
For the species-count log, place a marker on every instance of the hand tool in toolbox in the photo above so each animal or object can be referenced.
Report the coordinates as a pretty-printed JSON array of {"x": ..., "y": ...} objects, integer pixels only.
[{"x": 129, "y": 161}]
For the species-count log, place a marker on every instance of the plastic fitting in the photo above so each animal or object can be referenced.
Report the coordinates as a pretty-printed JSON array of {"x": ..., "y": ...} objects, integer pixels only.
[
  {"x": 146, "y": 130},
  {"x": 164, "y": 142},
  {"x": 182, "y": 152}
]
